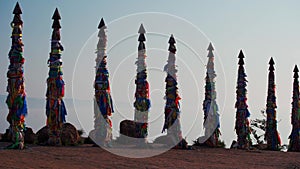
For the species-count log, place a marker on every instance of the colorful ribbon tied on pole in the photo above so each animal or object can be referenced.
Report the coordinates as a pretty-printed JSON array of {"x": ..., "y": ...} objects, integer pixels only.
[
  {"x": 172, "y": 106},
  {"x": 16, "y": 99},
  {"x": 142, "y": 102},
  {"x": 210, "y": 107},
  {"x": 295, "y": 119},
  {"x": 272, "y": 135},
  {"x": 242, "y": 114},
  {"x": 103, "y": 101},
  {"x": 55, "y": 107}
]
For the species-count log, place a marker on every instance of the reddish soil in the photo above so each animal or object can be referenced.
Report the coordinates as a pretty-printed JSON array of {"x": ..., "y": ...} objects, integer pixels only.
[{"x": 86, "y": 156}]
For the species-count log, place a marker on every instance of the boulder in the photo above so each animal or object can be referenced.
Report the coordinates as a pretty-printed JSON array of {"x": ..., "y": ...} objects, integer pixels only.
[
  {"x": 88, "y": 140},
  {"x": 69, "y": 135},
  {"x": 29, "y": 136},
  {"x": 6, "y": 137},
  {"x": 162, "y": 140},
  {"x": 42, "y": 136},
  {"x": 128, "y": 128},
  {"x": 183, "y": 144},
  {"x": 129, "y": 132},
  {"x": 169, "y": 141},
  {"x": 234, "y": 145},
  {"x": 131, "y": 128}
]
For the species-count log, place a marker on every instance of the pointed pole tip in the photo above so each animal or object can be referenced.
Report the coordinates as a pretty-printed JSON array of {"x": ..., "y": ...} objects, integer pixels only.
[
  {"x": 210, "y": 47},
  {"x": 142, "y": 29},
  {"x": 101, "y": 24},
  {"x": 271, "y": 62},
  {"x": 56, "y": 15},
  {"x": 241, "y": 54},
  {"x": 56, "y": 10},
  {"x": 17, "y": 9},
  {"x": 172, "y": 39},
  {"x": 296, "y": 69}
]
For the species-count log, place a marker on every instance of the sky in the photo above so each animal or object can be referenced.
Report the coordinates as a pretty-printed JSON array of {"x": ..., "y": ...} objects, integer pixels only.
[{"x": 262, "y": 29}]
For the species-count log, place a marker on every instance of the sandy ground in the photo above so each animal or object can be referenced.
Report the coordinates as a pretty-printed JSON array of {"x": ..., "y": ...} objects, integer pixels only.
[{"x": 86, "y": 156}]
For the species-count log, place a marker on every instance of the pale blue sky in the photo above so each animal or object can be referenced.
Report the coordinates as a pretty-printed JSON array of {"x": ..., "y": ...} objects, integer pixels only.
[{"x": 261, "y": 28}]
